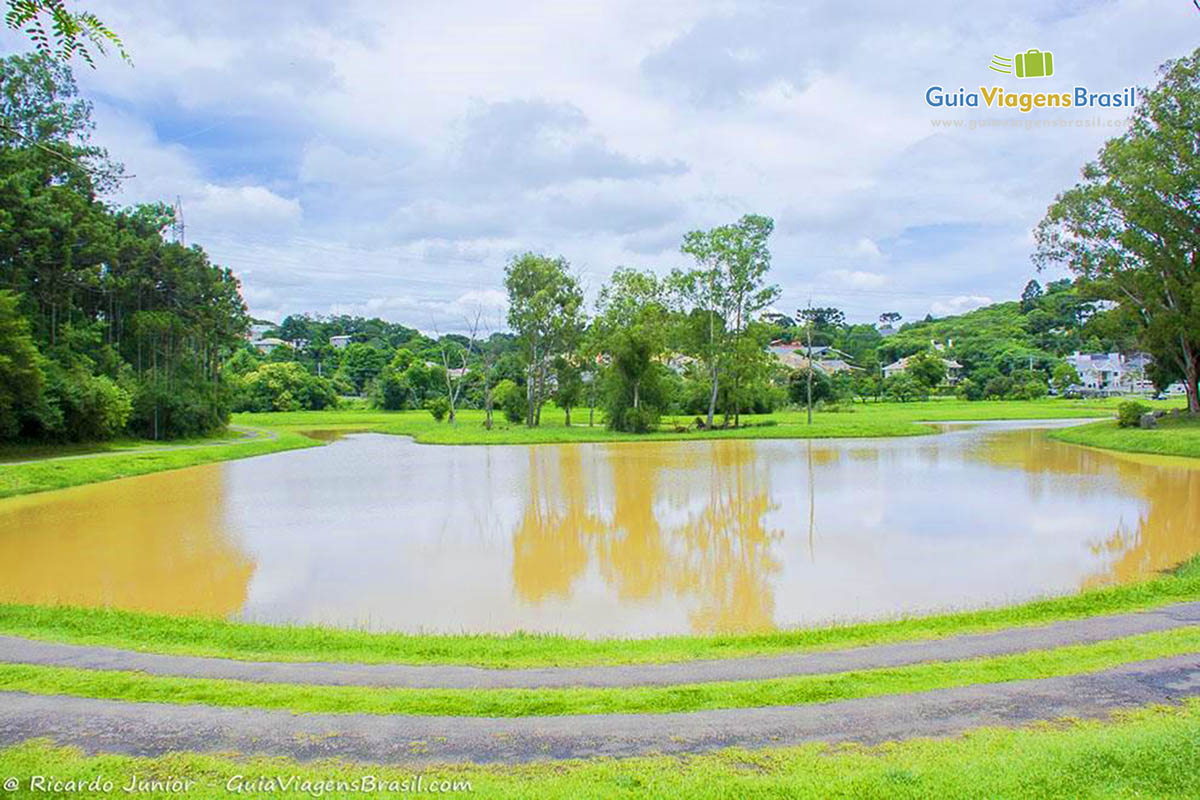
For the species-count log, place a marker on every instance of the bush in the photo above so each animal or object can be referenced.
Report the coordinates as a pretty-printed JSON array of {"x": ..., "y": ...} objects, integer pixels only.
[
  {"x": 509, "y": 398},
  {"x": 904, "y": 388},
  {"x": 1129, "y": 413},
  {"x": 638, "y": 420},
  {"x": 283, "y": 387},
  {"x": 439, "y": 407}
]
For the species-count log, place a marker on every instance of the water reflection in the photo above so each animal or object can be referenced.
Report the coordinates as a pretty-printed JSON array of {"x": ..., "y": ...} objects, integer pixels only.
[
  {"x": 155, "y": 543},
  {"x": 623, "y": 539}
]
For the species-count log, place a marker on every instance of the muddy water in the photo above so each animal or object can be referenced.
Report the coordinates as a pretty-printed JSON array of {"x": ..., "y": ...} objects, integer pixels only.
[{"x": 621, "y": 539}]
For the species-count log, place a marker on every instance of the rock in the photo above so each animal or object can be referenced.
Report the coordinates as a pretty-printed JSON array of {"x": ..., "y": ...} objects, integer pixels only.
[
  {"x": 1148, "y": 421},
  {"x": 1159, "y": 414}
]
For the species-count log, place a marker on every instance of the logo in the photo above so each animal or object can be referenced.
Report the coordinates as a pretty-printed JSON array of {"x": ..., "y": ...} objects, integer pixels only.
[{"x": 1033, "y": 63}]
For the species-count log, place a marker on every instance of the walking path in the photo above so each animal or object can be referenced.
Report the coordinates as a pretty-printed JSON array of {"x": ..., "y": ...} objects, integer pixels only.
[
  {"x": 17, "y": 650},
  {"x": 152, "y": 729}
]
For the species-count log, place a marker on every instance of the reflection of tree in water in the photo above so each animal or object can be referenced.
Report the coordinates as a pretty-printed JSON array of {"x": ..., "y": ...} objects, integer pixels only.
[
  {"x": 1166, "y": 533},
  {"x": 720, "y": 555}
]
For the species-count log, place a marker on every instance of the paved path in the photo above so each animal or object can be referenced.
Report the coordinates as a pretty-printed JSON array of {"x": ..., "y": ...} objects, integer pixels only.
[
  {"x": 1013, "y": 640},
  {"x": 152, "y": 729}
]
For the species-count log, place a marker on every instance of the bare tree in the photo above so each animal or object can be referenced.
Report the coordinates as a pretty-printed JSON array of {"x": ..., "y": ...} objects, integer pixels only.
[{"x": 454, "y": 382}]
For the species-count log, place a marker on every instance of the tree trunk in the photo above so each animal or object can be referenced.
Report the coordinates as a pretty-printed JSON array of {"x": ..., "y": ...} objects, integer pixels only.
[
  {"x": 712, "y": 400},
  {"x": 1192, "y": 377},
  {"x": 568, "y": 410}
]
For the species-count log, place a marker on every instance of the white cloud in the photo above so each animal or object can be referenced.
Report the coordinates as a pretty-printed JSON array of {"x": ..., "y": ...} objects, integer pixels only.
[
  {"x": 399, "y": 154},
  {"x": 958, "y": 305}
]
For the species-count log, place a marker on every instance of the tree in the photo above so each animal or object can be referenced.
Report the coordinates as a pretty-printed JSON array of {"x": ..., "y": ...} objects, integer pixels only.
[
  {"x": 630, "y": 330},
  {"x": 1130, "y": 230},
  {"x": 1030, "y": 296},
  {"x": 21, "y": 378},
  {"x": 890, "y": 318},
  {"x": 1064, "y": 377},
  {"x": 927, "y": 368},
  {"x": 568, "y": 385},
  {"x": 725, "y": 290},
  {"x": 545, "y": 308},
  {"x": 362, "y": 363},
  {"x": 68, "y": 31}
]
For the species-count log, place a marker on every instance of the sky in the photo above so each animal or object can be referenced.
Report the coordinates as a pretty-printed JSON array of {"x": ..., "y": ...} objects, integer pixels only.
[{"x": 389, "y": 158}]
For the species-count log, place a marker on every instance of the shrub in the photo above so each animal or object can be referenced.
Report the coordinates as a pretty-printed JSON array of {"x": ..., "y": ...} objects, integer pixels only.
[
  {"x": 638, "y": 420},
  {"x": 1129, "y": 413},
  {"x": 439, "y": 407},
  {"x": 510, "y": 399}
]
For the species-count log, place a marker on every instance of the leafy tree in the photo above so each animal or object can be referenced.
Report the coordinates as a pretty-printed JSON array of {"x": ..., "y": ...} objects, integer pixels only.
[
  {"x": 283, "y": 387},
  {"x": 630, "y": 329},
  {"x": 822, "y": 386},
  {"x": 904, "y": 388},
  {"x": 510, "y": 399},
  {"x": 568, "y": 389},
  {"x": 1030, "y": 296},
  {"x": 928, "y": 368},
  {"x": 725, "y": 290},
  {"x": 21, "y": 377},
  {"x": 1128, "y": 230},
  {"x": 1064, "y": 377},
  {"x": 545, "y": 308},
  {"x": 362, "y": 363},
  {"x": 68, "y": 31}
]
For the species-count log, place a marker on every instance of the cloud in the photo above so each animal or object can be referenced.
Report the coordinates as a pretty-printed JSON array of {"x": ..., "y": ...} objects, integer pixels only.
[
  {"x": 958, "y": 305},
  {"x": 244, "y": 205},
  {"x": 857, "y": 279}
]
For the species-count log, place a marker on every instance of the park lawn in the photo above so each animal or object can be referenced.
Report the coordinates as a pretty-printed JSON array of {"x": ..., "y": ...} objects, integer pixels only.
[
  {"x": 1174, "y": 436},
  {"x": 206, "y": 636},
  {"x": 1148, "y": 752},
  {"x": 798, "y": 690},
  {"x": 27, "y": 477},
  {"x": 855, "y": 420}
]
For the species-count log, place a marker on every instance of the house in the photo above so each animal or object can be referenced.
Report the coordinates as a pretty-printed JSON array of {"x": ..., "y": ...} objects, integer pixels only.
[
  {"x": 1112, "y": 373},
  {"x": 258, "y": 330},
  {"x": 825, "y": 359},
  {"x": 265, "y": 346},
  {"x": 339, "y": 342},
  {"x": 953, "y": 368}
]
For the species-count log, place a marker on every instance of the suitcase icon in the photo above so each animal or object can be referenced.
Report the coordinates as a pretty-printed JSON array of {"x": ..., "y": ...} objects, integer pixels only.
[{"x": 1034, "y": 64}]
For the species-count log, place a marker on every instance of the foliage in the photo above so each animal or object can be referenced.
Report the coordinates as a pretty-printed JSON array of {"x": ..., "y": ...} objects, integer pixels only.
[
  {"x": 510, "y": 399},
  {"x": 1129, "y": 413},
  {"x": 822, "y": 386},
  {"x": 904, "y": 388},
  {"x": 68, "y": 30},
  {"x": 282, "y": 387},
  {"x": 1128, "y": 229},
  {"x": 21, "y": 376},
  {"x": 438, "y": 407},
  {"x": 927, "y": 367}
]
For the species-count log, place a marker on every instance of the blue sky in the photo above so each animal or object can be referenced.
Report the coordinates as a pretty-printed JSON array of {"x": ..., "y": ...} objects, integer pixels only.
[{"x": 388, "y": 158}]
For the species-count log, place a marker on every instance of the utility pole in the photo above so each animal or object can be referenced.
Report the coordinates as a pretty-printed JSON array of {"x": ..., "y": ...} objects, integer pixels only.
[
  {"x": 177, "y": 227},
  {"x": 808, "y": 328}
]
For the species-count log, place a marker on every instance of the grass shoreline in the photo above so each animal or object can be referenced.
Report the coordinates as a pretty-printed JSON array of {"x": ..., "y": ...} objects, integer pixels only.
[
  {"x": 212, "y": 637},
  {"x": 1174, "y": 436}
]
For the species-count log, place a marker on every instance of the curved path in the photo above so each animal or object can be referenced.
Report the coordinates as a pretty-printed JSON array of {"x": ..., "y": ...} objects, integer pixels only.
[
  {"x": 153, "y": 729},
  {"x": 16, "y": 650}
]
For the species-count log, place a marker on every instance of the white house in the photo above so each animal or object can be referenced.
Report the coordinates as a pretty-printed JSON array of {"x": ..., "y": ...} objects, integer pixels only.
[
  {"x": 268, "y": 344},
  {"x": 953, "y": 368},
  {"x": 1112, "y": 373},
  {"x": 339, "y": 342}
]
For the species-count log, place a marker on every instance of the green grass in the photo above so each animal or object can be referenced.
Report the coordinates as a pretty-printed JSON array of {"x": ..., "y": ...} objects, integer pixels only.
[
  {"x": 851, "y": 421},
  {"x": 216, "y": 637},
  {"x": 1148, "y": 753},
  {"x": 1174, "y": 436},
  {"x": 54, "y": 471},
  {"x": 42, "y": 467},
  {"x": 142, "y": 688}
]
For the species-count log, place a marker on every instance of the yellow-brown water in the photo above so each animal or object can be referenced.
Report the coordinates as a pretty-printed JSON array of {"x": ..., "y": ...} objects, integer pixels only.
[{"x": 619, "y": 539}]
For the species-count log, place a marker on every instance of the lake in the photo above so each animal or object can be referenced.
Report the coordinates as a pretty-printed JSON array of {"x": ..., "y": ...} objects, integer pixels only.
[{"x": 629, "y": 539}]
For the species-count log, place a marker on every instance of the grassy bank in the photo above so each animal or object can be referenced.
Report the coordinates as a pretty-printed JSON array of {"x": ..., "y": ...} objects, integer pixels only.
[
  {"x": 142, "y": 688},
  {"x": 215, "y": 637},
  {"x": 1174, "y": 436},
  {"x": 25, "y": 469},
  {"x": 59, "y": 470},
  {"x": 1146, "y": 753},
  {"x": 856, "y": 420}
]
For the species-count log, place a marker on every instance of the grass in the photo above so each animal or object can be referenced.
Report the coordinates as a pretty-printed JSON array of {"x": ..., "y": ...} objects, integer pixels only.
[
  {"x": 215, "y": 637},
  {"x": 852, "y": 421},
  {"x": 797, "y": 690},
  {"x": 1145, "y": 753},
  {"x": 1174, "y": 436},
  {"x": 58, "y": 472}
]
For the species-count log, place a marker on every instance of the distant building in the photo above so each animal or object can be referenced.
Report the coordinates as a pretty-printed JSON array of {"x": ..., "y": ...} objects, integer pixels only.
[
  {"x": 1112, "y": 373},
  {"x": 265, "y": 346},
  {"x": 339, "y": 342},
  {"x": 825, "y": 359},
  {"x": 258, "y": 330},
  {"x": 953, "y": 368}
]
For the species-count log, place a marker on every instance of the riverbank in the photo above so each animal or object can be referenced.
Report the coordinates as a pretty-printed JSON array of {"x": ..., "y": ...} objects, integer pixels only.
[
  {"x": 1174, "y": 436},
  {"x": 39, "y": 468}
]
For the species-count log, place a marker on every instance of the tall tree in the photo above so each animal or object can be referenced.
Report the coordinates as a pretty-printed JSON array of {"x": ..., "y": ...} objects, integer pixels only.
[
  {"x": 545, "y": 308},
  {"x": 1131, "y": 228},
  {"x": 631, "y": 328},
  {"x": 725, "y": 290},
  {"x": 61, "y": 33}
]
